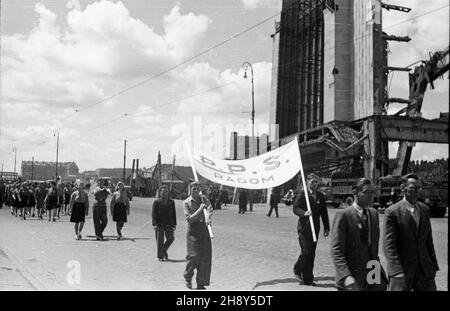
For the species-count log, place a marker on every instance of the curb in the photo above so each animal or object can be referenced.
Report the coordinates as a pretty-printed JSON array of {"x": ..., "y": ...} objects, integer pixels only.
[{"x": 23, "y": 271}]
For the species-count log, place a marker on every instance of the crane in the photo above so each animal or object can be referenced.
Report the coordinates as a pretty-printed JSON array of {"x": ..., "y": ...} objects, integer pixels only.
[{"x": 425, "y": 74}]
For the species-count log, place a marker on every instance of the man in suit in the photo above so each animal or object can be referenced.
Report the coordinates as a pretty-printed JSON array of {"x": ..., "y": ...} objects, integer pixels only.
[
  {"x": 354, "y": 243},
  {"x": 243, "y": 200},
  {"x": 408, "y": 241},
  {"x": 303, "y": 268}
]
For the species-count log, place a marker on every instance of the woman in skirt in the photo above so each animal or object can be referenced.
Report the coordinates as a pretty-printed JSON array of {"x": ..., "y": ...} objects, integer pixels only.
[
  {"x": 39, "y": 197},
  {"x": 67, "y": 195},
  {"x": 120, "y": 208},
  {"x": 79, "y": 207},
  {"x": 51, "y": 201},
  {"x": 23, "y": 198},
  {"x": 31, "y": 200},
  {"x": 15, "y": 199}
]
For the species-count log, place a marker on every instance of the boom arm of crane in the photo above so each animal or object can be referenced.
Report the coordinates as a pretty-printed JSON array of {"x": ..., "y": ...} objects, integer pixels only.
[{"x": 425, "y": 74}]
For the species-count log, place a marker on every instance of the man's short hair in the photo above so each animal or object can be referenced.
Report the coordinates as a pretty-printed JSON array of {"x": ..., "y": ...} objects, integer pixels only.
[
  {"x": 360, "y": 183},
  {"x": 162, "y": 187},
  {"x": 312, "y": 176},
  {"x": 409, "y": 176},
  {"x": 195, "y": 183}
]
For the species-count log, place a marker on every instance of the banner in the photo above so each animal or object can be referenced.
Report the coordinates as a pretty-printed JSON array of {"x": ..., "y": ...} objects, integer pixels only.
[{"x": 269, "y": 170}]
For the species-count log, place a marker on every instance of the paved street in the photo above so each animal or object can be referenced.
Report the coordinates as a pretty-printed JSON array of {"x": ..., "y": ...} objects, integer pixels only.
[{"x": 250, "y": 252}]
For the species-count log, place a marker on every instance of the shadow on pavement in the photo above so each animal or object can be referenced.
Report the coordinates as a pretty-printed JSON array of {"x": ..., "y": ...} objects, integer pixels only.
[
  {"x": 176, "y": 260},
  {"x": 276, "y": 281},
  {"x": 294, "y": 280},
  {"x": 112, "y": 238}
]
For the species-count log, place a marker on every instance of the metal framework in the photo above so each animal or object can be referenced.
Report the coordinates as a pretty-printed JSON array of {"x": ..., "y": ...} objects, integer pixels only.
[{"x": 300, "y": 87}]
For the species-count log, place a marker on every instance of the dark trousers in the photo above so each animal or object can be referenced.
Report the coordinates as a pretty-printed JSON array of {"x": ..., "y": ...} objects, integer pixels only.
[
  {"x": 199, "y": 255},
  {"x": 305, "y": 262},
  {"x": 162, "y": 245},
  {"x": 242, "y": 208},
  {"x": 420, "y": 282},
  {"x": 273, "y": 207},
  {"x": 100, "y": 220}
]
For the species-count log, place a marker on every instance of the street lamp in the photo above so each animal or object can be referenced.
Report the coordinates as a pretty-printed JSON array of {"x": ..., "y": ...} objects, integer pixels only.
[
  {"x": 15, "y": 160},
  {"x": 57, "y": 152},
  {"x": 246, "y": 66}
]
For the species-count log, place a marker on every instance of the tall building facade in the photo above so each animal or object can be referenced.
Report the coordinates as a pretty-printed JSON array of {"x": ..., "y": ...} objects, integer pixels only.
[{"x": 329, "y": 60}]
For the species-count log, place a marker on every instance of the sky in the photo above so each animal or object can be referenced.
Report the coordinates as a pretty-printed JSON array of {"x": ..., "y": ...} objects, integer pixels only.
[{"x": 158, "y": 73}]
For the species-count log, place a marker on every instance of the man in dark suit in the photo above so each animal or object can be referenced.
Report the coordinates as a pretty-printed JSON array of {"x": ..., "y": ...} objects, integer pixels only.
[
  {"x": 408, "y": 242},
  {"x": 354, "y": 243},
  {"x": 303, "y": 268},
  {"x": 243, "y": 200}
]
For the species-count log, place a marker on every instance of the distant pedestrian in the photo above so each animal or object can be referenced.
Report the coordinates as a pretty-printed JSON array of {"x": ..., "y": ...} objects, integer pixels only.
[
  {"x": 79, "y": 207},
  {"x": 164, "y": 220},
  {"x": 60, "y": 191},
  {"x": 354, "y": 242},
  {"x": 408, "y": 241},
  {"x": 274, "y": 200},
  {"x": 15, "y": 199},
  {"x": 199, "y": 252},
  {"x": 303, "y": 268},
  {"x": 23, "y": 199},
  {"x": 223, "y": 198},
  {"x": 52, "y": 201},
  {"x": 289, "y": 197},
  {"x": 2, "y": 193},
  {"x": 67, "y": 194},
  {"x": 120, "y": 208},
  {"x": 243, "y": 200},
  {"x": 99, "y": 211},
  {"x": 31, "y": 200},
  {"x": 39, "y": 197}
]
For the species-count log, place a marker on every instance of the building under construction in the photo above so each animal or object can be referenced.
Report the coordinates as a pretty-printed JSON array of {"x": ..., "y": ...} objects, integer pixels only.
[{"x": 329, "y": 88}]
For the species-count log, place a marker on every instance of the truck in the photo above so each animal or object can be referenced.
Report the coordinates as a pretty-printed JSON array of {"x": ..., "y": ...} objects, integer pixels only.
[{"x": 434, "y": 192}]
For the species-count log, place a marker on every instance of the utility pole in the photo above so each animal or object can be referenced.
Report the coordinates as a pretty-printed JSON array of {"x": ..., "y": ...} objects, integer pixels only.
[
  {"x": 32, "y": 168},
  {"x": 124, "y": 158},
  {"x": 57, "y": 153},
  {"x": 171, "y": 180},
  {"x": 2, "y": 172},
  {"x": 15, "y": 158}
]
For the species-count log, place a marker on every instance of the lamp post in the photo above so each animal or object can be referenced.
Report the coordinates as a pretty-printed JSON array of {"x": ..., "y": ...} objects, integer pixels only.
[
  {"x": 57, "y": 153},
  {"x": 246, "y": 66},
  {"x": 124, "y": 160},
  {"x": 15, "y": 158}
]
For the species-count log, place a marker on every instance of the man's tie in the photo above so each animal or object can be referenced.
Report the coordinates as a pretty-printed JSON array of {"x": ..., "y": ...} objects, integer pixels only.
[
  {"x": 365, "y": 225},
  {"x": 415, "y": 214}
]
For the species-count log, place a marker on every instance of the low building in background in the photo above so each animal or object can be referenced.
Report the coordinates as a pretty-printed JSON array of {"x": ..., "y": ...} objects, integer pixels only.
[{"x": 44, "y": 170}]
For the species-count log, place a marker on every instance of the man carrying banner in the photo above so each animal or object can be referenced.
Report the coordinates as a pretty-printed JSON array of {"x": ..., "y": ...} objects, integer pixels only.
[
  {"x": 303, "y": 268},
  {"x": 199, "y": 253}
]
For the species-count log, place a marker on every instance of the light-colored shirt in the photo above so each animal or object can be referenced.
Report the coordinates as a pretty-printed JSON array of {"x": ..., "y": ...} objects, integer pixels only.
[{"x": 191, "y": 205}]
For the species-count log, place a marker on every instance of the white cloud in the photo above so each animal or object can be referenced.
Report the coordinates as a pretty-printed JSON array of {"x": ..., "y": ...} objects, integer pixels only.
[
  {"x": 254, "y": 4},
  {"x": 75, "y": 63},
  {"x": 231, "y": 93}
]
